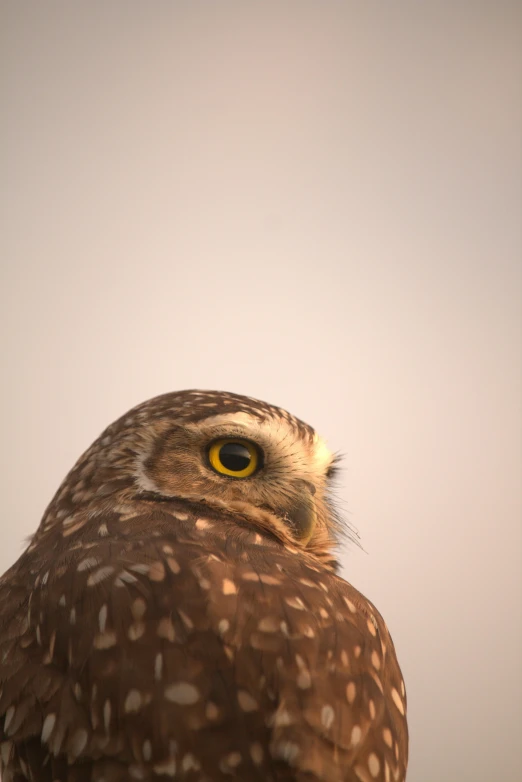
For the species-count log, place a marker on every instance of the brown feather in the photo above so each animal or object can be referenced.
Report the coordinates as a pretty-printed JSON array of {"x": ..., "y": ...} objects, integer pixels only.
[{"x": 149, "y": 637}]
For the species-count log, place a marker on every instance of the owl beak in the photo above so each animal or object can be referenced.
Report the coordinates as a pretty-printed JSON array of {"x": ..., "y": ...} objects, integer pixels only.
[{"x": 304, "y": 517}]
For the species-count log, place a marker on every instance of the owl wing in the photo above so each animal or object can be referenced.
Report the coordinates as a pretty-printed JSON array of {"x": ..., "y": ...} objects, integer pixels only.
[
  {"x": 319, "y": 664},
  {"x": 185, "y": 647}
]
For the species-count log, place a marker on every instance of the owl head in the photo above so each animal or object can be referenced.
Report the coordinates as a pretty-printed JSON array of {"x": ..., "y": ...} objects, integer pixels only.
[{"x": 220, "y": 451}]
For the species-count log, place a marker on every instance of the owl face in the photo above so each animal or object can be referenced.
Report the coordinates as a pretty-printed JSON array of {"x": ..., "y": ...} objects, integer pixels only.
[
  {"x": 268, "y": 470},
  {"x": 220, "y": 451}
]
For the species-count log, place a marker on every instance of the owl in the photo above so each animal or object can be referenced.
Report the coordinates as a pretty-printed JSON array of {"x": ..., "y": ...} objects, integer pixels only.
[{"x": 178, "y": 613}]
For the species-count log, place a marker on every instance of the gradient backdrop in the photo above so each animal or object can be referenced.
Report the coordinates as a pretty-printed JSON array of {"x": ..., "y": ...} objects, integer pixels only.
[{"x": 314, "y": 203}]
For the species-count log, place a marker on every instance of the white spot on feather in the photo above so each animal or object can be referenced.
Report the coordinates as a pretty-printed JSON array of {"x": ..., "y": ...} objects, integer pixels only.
[
  {"x": 355, "y": 736},
  {"x": 190, "y": 763},
  {"x": 229, "y": 588},
  {"x": 102, "y": 618},
  {"x": 223, "y": 626},
  {"x": 125, "y": 578},
  {"x": 168, "y": 768},
  {"x": 100, "y": 575},
  {"x": 350, "y": 605},
  {"x": 182, "y": 693},
  {"x": 327, "y": 716},
  {"x": 158, "y": 666},
  {"x": 397, "y": 700},
  {"x": 87, "y": 564},
  {"x": 47, "y": 727},
  {"x": 374, "y": 765},
  {"x": 295, "y": 602},
  {"x": 105, "y": 640},
  {"x": 133, "y": 701},
  {"x": 107, "y": 714}
]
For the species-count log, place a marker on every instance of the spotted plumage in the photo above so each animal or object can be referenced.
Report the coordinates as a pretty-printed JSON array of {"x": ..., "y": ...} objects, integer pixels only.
[{"x": 171, "y": 622}]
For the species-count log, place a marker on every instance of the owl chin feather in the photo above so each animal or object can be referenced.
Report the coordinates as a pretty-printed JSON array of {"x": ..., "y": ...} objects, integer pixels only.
[{"x": 261, "y": 518}]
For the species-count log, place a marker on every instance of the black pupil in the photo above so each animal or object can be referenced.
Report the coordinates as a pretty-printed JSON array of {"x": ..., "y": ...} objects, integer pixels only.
[{"x": 234, "y": 456}]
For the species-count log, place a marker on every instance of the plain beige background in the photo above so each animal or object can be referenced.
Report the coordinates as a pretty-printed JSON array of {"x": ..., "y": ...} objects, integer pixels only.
[{"x": 318, "y": 204}]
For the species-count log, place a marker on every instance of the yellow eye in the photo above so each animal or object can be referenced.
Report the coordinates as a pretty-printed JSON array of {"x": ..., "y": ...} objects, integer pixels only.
[{"x": 237, "y": 458}]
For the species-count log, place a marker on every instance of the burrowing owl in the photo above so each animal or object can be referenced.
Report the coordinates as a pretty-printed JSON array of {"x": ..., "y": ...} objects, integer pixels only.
[{"x": 178, "y": 614}]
